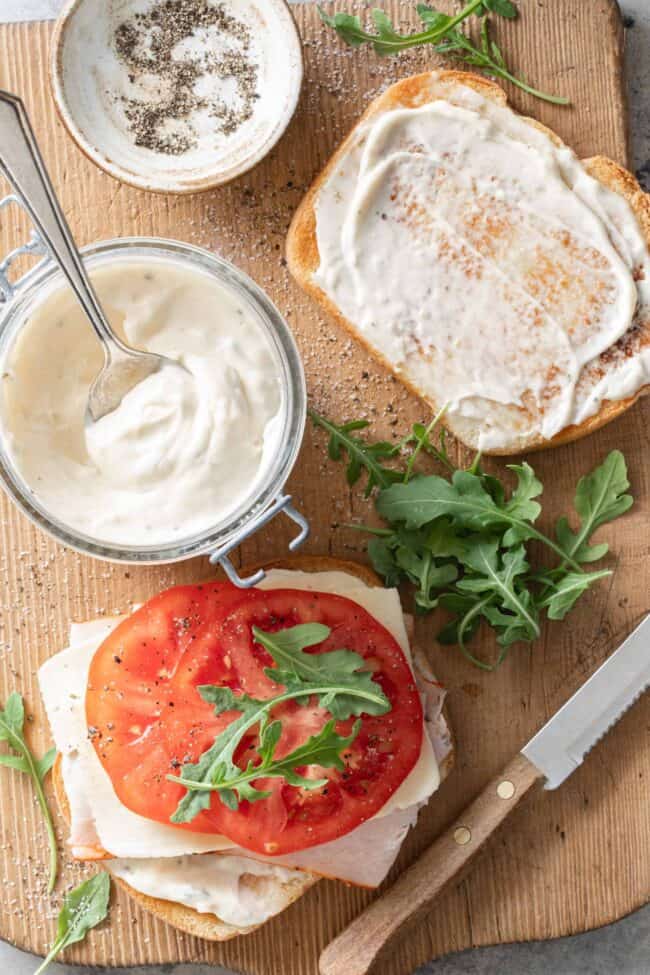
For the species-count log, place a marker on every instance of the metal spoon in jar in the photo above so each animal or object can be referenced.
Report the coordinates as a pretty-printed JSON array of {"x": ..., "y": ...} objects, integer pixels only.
[{"x": 21, "y": 163}]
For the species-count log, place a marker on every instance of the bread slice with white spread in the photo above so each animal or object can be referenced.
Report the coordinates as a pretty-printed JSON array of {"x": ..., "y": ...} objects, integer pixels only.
[
  {"x": 479, "y": 260},
  {"x": 203, "y": 873}
]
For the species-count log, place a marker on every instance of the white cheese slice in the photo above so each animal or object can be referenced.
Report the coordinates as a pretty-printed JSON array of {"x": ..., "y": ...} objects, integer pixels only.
[
  {"x": 97, "y": 817},
  {"x": 385, "y": 606},
  {"x": 100, "y": 821},
  {"x": 236, "y": 889}
]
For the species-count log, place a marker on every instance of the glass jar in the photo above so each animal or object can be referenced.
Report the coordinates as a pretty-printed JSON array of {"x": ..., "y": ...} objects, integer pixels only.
[{"x": 16, "y": 304}]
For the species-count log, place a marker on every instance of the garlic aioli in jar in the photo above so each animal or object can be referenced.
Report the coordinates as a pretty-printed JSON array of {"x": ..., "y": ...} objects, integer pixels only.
[{"x": 185, "y": 448}]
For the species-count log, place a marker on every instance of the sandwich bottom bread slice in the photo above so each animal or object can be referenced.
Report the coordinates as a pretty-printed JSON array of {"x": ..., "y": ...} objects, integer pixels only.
[
  {"x": 129, "y": 720},
  {"x": 478, "y": 259}
]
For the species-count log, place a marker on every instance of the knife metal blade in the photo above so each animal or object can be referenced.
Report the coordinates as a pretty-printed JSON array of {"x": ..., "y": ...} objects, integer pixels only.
[
  {"x": 553, "y": 753},
  {"x": 560, "y": 746}
]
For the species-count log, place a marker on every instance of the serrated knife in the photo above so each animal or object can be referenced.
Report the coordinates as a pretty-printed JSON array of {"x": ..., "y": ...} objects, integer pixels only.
[{"x": 551, "y": 755}]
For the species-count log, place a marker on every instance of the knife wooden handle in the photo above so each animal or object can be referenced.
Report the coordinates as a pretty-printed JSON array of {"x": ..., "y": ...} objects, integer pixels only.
[{"x": 368, "y": 940}]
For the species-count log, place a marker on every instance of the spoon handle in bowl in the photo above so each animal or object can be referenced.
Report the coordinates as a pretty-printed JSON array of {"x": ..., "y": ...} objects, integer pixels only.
[{"x": 22, "y": 164}]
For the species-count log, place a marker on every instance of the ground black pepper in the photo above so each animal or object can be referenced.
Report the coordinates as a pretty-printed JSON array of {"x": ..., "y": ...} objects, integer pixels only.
[{"x": 145, "y": 44}]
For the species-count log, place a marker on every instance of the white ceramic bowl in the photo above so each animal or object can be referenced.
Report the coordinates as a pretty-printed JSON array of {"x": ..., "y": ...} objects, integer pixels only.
[{"x": 89, "y": 82}]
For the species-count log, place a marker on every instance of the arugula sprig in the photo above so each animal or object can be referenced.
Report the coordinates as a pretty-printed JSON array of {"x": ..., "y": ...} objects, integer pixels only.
[
  {"x": 22, "y": 759},
  {"x": 470, "y": 505},
  {"x": 387, "y": 41},
  {"x": 462, "y": 542},
  {"x": 443, "y": 33},
  {"x": 336, "y": 678},
  {"x": 361, "y": 454},
  {"x": 83, "y": 908}
]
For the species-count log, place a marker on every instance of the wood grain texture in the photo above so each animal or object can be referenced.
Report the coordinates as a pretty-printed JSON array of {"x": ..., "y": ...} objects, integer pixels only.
[
  {"x": 369, "y": 942},
  {"x": 579, "y": 857}
]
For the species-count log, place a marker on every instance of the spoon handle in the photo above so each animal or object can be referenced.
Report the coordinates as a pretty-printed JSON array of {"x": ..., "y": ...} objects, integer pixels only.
[{"x": 22, "y": 164}]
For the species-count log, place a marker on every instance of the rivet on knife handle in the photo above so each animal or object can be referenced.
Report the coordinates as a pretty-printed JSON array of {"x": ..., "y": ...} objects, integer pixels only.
[{"x": 370, "y": 938}]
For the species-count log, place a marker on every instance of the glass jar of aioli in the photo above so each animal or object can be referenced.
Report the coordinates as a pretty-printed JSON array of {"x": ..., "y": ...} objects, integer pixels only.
[{"x": 253, "y": 502}]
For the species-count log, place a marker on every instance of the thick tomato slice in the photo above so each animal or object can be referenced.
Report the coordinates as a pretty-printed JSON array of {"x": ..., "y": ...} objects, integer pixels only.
[{"x": 146, "y": 716}]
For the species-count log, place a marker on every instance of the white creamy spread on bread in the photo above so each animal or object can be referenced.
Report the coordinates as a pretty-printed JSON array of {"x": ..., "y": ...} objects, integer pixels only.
[
  {"x": 99, "y": 822},
  {"x": 185, "y": 448},
  {"x": 235, "y": 889},
  {"x": 482, "y": 262}
]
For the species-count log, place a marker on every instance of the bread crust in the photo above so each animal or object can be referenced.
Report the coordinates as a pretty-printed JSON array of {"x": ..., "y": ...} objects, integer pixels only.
[
  {"x": 206, "y": 926},
  {"x": 209, "y": 926},
  {"x": 303, "y": 258}
]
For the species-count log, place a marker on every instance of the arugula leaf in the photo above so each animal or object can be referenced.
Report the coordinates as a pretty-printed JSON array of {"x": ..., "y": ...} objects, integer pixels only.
[
  {"x": 441, "y": 31},
  {"x": 348, "y": 689},
  {"x": 386, "y": 40},
  {"x": 468, "y": 610},
  {"x": 600, "y": 497},
  {"x": 504, "y": 8},
  {"x": 347, "y": 26},
  {"x": 468, "y": 503},
  {"x": 404, "y": 555},
  {"x": 421, "y": 436},
  {"x": 426, "y": 574},
  {"x": 384, "y": 25},
  {"x": 217, "y": 764},
  {"x": 489, "y": 59},
  {"x": 382, "y": 558},
  {"x": 565, "y": 592},
  {"x": 335, "y": 677},
  {"x": 83, "y": 908},
  {"x": 12, "y": 722},
  {"x": 361, "y": 455},
  {"x": 494, "y": 588},
  {"x": 521, "y": 503},
  {"x": 434, "y": 18},
  {"x": 323, "y": 749},
  {"x": 502, "y": 575},
  {"x": 461, "y": 542}
]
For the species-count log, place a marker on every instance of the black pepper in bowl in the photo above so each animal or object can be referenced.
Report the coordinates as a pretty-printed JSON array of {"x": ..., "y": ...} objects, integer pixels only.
[{"x": 146, "y": 44}]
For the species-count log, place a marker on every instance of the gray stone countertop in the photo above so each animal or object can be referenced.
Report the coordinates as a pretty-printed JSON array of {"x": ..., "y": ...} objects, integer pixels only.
[{"x": 624, "y": 947}]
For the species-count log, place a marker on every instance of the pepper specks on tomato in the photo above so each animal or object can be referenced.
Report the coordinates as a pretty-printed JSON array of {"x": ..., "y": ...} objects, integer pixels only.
[{"x": 189, "y": 636}]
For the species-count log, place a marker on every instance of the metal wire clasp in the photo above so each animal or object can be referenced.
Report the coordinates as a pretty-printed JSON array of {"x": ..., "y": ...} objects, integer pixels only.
[
  {"x": 220, "y": 555},
  {"x": 34, "y": 246}
]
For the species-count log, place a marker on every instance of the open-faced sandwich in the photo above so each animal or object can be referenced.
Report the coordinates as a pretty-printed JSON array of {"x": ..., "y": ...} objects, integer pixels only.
[
  {"x": 482, "y": 262},
  {"x": 221, "y": 749}
]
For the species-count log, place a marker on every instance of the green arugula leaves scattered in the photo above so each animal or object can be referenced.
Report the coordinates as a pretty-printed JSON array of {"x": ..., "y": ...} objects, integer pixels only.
[
  {"x": 336, "y": 678},
  {"x": 21, "y": 758},
  {"x": 87, "y": 905},
  {"x": 469, "y": 503},
  {"x": 443, "y": 33},
  {"x": 83, "y": 908},
  {"x": 462, "y": 541}
]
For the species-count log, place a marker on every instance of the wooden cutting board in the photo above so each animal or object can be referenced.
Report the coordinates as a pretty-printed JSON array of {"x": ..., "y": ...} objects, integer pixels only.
[{"x": 577, "y": 858}]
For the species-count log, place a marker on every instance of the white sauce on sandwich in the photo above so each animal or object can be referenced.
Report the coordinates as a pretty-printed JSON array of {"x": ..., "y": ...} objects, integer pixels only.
[
  {"x": 185, "y": 447},
  {"x": 99, "y": 822},
  {"x": 483, "y": 263},
  {"x": 235, "y": 889}
]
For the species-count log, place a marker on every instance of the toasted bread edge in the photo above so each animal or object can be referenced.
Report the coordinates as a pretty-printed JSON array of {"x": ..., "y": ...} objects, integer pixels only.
[
  {"x": 186, "y": 919},
  {"x": 303, "y": 258}
]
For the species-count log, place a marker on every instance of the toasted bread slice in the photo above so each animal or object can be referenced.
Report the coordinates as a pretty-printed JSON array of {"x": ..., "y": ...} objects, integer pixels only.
[
  {"x": 304, "y": 259},
  {"x": 208, "y": 926}
]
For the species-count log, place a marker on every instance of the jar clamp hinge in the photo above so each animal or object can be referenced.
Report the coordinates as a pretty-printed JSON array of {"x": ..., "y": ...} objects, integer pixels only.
[
  {"x": 34, "y": 246},
  {"x": 220, "y": 555}
]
